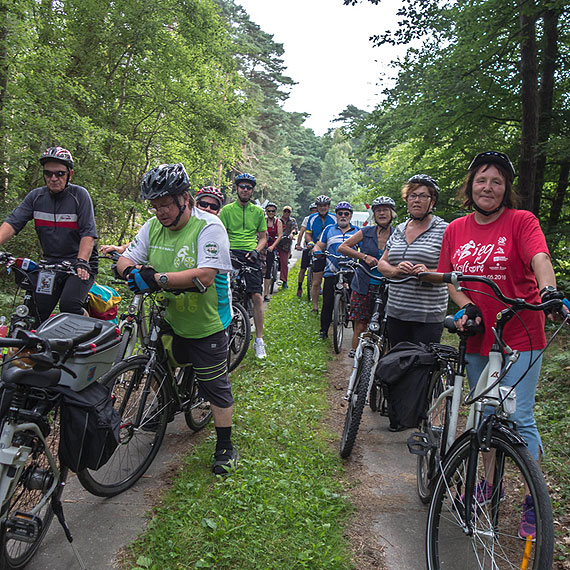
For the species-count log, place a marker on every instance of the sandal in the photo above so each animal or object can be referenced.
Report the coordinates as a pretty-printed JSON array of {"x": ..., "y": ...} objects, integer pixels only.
[{"x": 225, "y": 460}]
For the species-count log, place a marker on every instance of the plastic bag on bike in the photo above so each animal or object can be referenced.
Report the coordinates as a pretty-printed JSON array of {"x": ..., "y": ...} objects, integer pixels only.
[{"x": 404, "y": 375}]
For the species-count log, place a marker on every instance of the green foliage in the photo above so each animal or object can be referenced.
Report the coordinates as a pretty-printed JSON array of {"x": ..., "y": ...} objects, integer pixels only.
[{"x": 283, "y": 507}]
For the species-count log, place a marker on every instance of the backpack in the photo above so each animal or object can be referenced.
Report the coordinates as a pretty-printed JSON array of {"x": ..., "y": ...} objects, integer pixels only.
[
  {"x": 404, "y": 375},
  {"x": 103, "y": 302},
  {"x": 89, "y": 431}
]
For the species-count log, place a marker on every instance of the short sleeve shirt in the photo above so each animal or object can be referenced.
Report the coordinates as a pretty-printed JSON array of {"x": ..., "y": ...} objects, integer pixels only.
[
  {"x": 502, "y": 251},
  {"x": 332, "y": 237},
  {"x": 243, "y": 224},
  {"x": 203, "y": 242},
  {"x": 316, "y": 226}
]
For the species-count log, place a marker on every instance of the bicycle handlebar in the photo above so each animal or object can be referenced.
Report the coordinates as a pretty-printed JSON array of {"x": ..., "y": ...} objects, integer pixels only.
[{"x": 454, "y": 277}]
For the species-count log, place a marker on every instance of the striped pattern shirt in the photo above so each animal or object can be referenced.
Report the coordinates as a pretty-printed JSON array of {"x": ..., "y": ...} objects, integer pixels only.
[{"x": 412, "y": 301}]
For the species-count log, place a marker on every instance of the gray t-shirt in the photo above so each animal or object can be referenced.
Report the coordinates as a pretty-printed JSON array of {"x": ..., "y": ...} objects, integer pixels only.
[{"x": 412, "y": 301}]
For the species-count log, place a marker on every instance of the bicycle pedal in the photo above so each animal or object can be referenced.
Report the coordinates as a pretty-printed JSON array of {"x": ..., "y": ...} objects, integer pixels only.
[
  {"x": 419, "y": 444},
  {"x": 24, "y": 527}
]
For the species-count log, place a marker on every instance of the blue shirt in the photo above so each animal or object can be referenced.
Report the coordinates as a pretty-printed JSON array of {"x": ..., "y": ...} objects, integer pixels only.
[
  {"x": 369, "y": 245},
  {"x": 316, "y": 226},
  {"x": 332, "y": 237}
]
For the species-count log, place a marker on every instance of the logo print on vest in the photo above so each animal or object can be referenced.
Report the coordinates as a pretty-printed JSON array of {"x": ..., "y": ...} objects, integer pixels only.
[{"x": 183, "y": 258}]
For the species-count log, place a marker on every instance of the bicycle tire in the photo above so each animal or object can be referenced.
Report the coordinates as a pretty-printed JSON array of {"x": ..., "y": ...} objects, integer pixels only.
[
  {"x": 437, "y": 426},
  {"x": 309, "y": 283},
  {"x": 357, "y": 402},
  {"x": 200, "y": 412},
  {"x": 377, "y": 398},
  {"x": 239, "y": 336},
  {"x": 494, "y": 542},
  {"x": 139, "y": 445},
  {"x": 274, "y": 270},
  {"x": 15, "y": 554},
  {"x": 338, "y": 322}
]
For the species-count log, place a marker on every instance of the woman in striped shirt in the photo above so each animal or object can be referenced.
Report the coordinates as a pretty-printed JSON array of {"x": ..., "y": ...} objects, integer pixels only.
[{"x": 415, "y": 311}]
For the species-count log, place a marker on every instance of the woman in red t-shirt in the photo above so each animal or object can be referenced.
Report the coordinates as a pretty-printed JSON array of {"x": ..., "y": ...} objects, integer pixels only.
[{"x": 508, "y": 246}]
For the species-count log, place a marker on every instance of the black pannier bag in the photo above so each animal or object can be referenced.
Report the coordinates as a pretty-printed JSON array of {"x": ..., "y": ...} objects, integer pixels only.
[
  {"x": 404, "y": 375},
  {"x": 89, "y": 427}
]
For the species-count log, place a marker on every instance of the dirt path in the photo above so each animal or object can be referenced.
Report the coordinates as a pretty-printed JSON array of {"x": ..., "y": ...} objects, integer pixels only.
[{"x": 388, "y": 528}]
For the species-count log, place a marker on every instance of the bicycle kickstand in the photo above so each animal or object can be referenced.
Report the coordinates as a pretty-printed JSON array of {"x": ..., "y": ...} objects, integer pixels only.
[{"x": 58, "y": 511}]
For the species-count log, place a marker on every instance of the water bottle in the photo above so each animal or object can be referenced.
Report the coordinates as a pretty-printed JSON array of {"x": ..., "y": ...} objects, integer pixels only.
[
  {"x": 3, "y": 327},
  {"x": 26, "y": 263}
]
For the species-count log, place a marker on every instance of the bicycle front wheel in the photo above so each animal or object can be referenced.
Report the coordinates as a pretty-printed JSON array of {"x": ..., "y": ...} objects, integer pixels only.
[
  {"x": 239, "y": 336},
  {"x": 35, "y": 480},
  {"x": 309, "y": 283},
  {"x": 435, "y": 425},
  {"x": 339, "y": 310},
  {"x": 492, "y": 539},
  {"x": 357, "y": 401},
  {"x": 139, "y": 440}
]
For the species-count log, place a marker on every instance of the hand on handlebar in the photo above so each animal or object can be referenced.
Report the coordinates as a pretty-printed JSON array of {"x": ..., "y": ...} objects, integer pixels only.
[
  {"x": 469, "y": 312},
  {"x": 81, "y": 268},
  {"x": 142, "y": 280},
  {"x": 549, "y": 296}
]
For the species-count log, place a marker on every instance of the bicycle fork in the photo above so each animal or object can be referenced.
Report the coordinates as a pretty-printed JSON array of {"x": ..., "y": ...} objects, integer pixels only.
[{"x": 356, "y": 363}]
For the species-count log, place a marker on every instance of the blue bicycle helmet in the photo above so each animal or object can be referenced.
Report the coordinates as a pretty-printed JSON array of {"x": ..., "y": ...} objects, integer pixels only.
[
  {"x": 245, "y": 177},
  {"x": 343, "y": 206}
]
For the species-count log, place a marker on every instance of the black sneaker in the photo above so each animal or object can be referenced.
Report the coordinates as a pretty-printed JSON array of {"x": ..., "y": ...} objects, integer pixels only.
[
  {"x": 323, "y": 335},
  {"x": 225, "y": 460}
]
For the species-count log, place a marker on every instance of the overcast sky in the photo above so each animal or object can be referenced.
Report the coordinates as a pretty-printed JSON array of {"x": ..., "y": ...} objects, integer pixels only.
[{"x": 328, "y": 53}]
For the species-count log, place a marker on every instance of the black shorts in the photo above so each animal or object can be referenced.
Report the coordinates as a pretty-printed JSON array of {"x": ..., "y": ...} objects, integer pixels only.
[
  {"x": 319, "y": 263},
  {"x": 305, "y": 258},
  {"x": 253, "y": 279},
  {"x": 209, "y": 357}
]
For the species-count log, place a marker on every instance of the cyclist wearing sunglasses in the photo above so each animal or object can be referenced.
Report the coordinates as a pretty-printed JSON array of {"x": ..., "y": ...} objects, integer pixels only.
[
  {"x": 247, "y": 230},
  {"x": 65, "y": 225},
  {"x": 210, "y": 199},
  {"x": 332, "y": 237}
]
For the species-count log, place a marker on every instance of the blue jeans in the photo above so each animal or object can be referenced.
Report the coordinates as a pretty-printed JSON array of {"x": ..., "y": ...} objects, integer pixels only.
[{"x": 525, "y": 390}]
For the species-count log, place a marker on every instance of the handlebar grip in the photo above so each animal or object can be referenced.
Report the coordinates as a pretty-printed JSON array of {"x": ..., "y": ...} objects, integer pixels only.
[
  {"x": 435, "y": 277},
  {"x": 199, "y": 285},
  {"x": 565, "y": 309}
]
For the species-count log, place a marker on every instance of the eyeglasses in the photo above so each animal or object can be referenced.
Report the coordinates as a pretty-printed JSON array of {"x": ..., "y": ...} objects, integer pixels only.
[
  {"x": 245, "y": 186},
  {"x": 422, "y": 197},
  {"x": 155, "y": 209},
  {"x": 270, "y": 211},
  {"x": 214, "y": 206},
  {"x": 343, "y": 214},
  {"x": 56, "y": 173}
]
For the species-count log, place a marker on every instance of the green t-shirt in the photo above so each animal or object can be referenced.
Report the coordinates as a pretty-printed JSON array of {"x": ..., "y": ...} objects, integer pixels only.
[
  {"x": 198, "y": 244},
  {"x": 243, "y": 224}
]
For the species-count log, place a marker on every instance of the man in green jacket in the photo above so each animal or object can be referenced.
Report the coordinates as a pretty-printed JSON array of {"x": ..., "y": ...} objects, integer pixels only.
[{"x": 247, "y": 230}]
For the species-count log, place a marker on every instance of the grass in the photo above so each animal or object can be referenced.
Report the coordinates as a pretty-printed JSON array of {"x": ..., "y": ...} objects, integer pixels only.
[{"x": 284, "y": 506}]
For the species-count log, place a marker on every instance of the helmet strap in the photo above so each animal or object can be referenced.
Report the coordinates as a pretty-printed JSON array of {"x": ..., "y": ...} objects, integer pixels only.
[
  {"x": 484, "y": 212},
  {"x": 181, "y": 210}
]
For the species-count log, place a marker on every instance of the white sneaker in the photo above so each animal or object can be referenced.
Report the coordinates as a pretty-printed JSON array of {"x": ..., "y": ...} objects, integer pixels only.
[{"x": 259, "y": 347}]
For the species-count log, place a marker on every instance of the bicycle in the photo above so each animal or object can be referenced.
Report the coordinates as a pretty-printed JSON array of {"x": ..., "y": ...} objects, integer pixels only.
[
  {"x": 467, "y": 517},
  {"x": 341, "y": 307},
  {"x": 239, "y": 336},
  {"x": 31, "y": 476},
  {"x": 148, "y": 391},
  {"x": 27, "y": 275},
  {"x": 372, "y": 345},
  {"x": 274, "y": 271},
  {"x": 309, "y": 276}
]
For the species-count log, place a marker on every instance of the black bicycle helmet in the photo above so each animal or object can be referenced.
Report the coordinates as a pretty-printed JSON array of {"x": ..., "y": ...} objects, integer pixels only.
[
  {"x": 165, "y": 179},
  {"x": 494, "y": 157},
  {"x": 58, "y": 154},
  {"x": 322, "y": 199},
  {"x": 383, "y": 201},
  {"x": 246, "y": 177},
  {"x": 426, "y": 180}
]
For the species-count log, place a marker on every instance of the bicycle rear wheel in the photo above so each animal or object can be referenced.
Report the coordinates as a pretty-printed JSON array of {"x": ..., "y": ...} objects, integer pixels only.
[
  {"x": 436, "y": 426},
  {"x": 339, "y": 312},
  {"x": 31, "y": 488},
  {"x": 198, "y": 412},
  {"x": 493, "y": 541},
  {"x": 140, "y": 441},
  {"x": 239, "y": 336},
  {"x": 357, "y": 401}
]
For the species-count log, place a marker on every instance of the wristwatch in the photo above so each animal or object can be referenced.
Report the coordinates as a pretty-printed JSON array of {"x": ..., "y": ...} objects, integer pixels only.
[
  {"x": 163, "y": 280},
  {"x": 547, "y": 289}
]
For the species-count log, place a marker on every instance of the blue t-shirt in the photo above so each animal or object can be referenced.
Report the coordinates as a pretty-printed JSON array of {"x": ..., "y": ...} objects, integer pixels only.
[
  {"x": 333, "y": 237},
  {"x": 369, "y": 245},
  {"x": 316, "y": 225}
]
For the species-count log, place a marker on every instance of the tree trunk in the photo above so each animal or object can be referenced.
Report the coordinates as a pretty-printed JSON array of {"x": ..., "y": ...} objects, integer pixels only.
[
  {"x": 529, "y": 97},
  {"x": 545, "y": 96},
  {"x": 559, "y": 195}
]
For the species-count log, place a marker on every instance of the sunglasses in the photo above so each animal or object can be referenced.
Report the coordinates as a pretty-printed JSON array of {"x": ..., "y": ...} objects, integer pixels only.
[
  {"x": 212, "y": 206},
  {"x": 270, "y": 211},
  {"x": 343, "y": 214},
  {"x": 56, "y": 173},
  {"x": 245, "y": 186}
]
